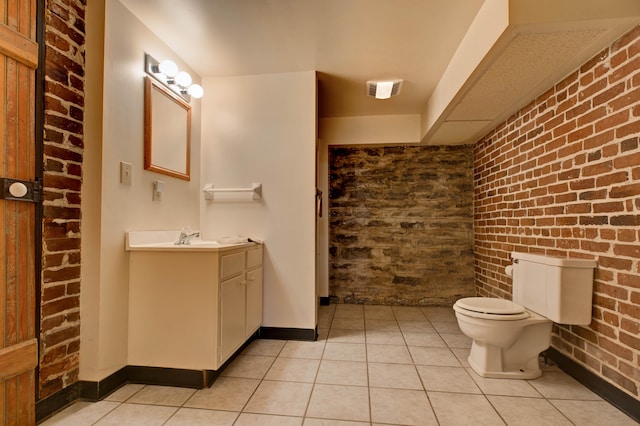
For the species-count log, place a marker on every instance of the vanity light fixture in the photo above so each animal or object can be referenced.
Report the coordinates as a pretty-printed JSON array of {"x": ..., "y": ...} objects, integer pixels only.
[
  {"x": 383, "y": 89},
  {"x": 167, "y": 73}
]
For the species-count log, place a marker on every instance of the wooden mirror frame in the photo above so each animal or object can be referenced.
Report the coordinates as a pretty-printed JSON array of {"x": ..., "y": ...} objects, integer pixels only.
[{"x": 154, "y": 88}]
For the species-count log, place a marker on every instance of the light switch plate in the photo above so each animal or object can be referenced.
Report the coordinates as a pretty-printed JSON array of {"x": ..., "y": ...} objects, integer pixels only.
[{"x": 125, "y": 173}]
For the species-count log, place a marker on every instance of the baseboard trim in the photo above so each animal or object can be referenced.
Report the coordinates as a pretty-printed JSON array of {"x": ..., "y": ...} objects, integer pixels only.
[
  {"x": 325, "y": 301},
  {"x": 196, "y": 379},
  {"x": 623, "y": 401},
  {"x": 310, "y": 334},
  {"x": 53, "y": 403},
  {"x": 96, "y": 391}
]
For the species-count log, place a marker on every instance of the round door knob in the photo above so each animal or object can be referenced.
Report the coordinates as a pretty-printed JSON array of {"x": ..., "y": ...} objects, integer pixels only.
[{"x": 18, "y": 189}]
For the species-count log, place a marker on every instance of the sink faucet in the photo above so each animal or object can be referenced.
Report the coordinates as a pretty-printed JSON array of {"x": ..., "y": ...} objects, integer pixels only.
[{"x": 185, "y": 238}]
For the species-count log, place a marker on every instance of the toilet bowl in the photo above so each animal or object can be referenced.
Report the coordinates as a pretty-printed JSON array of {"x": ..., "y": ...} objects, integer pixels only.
[{"x": 508, "y": 336}]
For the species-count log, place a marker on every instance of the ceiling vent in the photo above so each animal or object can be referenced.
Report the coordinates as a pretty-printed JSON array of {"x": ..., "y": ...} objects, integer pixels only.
[{"x": 383, "y": 89}]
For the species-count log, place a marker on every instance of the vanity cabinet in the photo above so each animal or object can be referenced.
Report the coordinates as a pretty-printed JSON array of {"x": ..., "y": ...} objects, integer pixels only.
[
  {"x": 240, "y": 299},
  {"x": 193, "y": 309}
]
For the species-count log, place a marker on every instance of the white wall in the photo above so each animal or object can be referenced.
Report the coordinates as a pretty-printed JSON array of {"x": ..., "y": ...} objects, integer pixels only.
[
  {"x": 109, "y": 208},
  {"x": 263, "y": 129},
  {"x": 370, "y": 129}
]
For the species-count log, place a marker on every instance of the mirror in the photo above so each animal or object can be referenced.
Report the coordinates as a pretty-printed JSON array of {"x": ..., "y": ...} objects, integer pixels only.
[{"x": 167, "y": 131}]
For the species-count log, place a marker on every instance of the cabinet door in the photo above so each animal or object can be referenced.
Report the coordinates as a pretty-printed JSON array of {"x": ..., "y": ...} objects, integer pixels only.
[
  {"x": 232, "y": 316},
  {"x": 254, "y": 301}
]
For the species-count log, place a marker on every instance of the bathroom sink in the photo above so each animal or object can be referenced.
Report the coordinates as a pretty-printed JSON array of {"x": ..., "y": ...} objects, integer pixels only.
[{"x": 165, "y": 241}]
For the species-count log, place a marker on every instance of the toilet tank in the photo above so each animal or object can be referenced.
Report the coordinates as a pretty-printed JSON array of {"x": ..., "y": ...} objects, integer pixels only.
[{"x": 556, "y": 288}]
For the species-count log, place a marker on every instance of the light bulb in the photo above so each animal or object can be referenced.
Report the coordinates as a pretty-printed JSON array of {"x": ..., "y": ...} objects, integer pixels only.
[
  {"x": 183, "y": 79},
  {"x": 196, "y": 91},
  {"x": 168, "y": 68},
  {"x": 383, "y": 89}
]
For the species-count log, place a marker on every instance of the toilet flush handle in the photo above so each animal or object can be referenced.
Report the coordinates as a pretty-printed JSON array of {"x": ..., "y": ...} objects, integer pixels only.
[{"x": 509, "y": 270}]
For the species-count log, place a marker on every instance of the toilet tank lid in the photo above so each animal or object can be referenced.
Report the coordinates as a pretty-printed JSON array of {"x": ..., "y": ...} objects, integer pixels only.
[
  {"x": 555, "y": 261},
  {"x": 490, "y": 305}
]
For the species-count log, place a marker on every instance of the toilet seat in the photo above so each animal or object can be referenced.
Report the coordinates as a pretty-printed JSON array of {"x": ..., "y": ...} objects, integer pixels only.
[{"x": 491, "y": 308}]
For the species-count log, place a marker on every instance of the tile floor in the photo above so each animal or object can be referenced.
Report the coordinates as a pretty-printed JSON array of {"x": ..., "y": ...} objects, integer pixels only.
[{"x": 372, "y": 365}]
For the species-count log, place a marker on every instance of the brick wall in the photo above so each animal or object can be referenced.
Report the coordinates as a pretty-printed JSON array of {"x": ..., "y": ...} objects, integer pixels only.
[
  {"x": 562, "y": 177},
  {"x": 401, "y": 224},
  {"x": 63, "y": 148}
]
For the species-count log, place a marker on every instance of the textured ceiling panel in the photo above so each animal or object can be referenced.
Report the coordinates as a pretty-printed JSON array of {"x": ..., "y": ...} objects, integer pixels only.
[{"x": 525, "y": 63}]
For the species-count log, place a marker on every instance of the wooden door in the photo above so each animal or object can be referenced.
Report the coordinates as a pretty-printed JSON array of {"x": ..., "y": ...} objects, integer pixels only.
[{"x": 18, "y": 344}]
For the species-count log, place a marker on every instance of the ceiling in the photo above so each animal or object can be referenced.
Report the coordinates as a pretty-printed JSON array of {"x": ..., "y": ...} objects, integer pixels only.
[{"x": 449, "y": 79}]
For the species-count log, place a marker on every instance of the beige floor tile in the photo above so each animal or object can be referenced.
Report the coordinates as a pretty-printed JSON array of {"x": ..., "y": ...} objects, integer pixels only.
[
  {"x": 394, "y": 354},
  {"x": 226, "y": 393},
  {"x": 439, "y": 313},
  {"x": 416, "y": 326},
  {"x": 463, "y": 355},
  {"x": 198, "y": 417},
  {"x": 249, "y": 366},
  {"x": 248, "y": 419},
  {"x": 506, "y": 387},
  {"x": 348, "y": 323},
  {"x": 293, "y": 370},
  {"x": 433, "y": 356},
  {"x": 424, "y": 339},
  {"x": 397, "y": 376},
  {"x": 81, "y": 413},
  {"x": 323, "y": 334},
  {"x": 411, "y": 313},
  {"x": 562, "y": 386},
  {"x": 265, "y": 347},
  {"x": 446, "y": 326},
  {"x": 137, "y": 414},
  {"x": 297, "y": 349},
  {"x": 368, "y": 368},
  {"x": 378, "y": 312},
  {"x": 593, "y": 413},
  {"x": 345, "y": 351},
  {"x": 330, "y": 422},
  {"x": 162, "y": 395},
  {"x": 327, "y": 309},
  {"x": 528, "y": 411},
  {"x": 458, "y": 409},
  {"x": 339, "y": 402},
  {"x": 324, "y": 321},
  {"x": 281, "y": 398},
  {"x": 401, "y": 407},
  {"x": 353, "y": 373},
  {"x": 447, "y": 379},
  {"x": 382, "y": 325},
  {"x": 349, "y": 311},
  {"x": 124, "y": 393},
  {"x": 456, "y": 340},
  {"x": 385, "y": 337},
  {"x": 346, "y": 336}
]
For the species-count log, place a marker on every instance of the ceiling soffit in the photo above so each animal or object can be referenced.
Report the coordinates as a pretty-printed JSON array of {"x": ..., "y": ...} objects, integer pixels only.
[{"x": 533, "y": 52}]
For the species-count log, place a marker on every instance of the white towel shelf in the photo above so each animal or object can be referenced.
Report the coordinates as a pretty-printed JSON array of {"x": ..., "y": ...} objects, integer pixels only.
[{"x": 256, "y": 190}]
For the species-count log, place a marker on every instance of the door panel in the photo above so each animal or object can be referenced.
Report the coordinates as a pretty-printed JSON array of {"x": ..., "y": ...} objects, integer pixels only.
[{"x": 18, "y": 344}]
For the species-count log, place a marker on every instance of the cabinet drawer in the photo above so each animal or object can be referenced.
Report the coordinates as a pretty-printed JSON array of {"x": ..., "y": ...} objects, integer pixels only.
[
  {"x": 254, "y": 257},
  {"x": 231, "y": 264}
]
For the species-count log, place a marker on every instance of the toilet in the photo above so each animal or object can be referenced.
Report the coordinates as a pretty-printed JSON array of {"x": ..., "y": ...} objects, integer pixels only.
[{"x": 508, "y": 336}]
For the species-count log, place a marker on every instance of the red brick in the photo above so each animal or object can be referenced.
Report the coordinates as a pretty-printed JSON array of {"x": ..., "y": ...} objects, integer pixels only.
[
  {"x": 630, "y": 310},
  {"x": 618, "y": 378},
  {"x": 633, "y": 128},
  {"x": 629, "y": 280},
  {"x": 627, "y": 250},
  {"x": 624, "y": 191}
]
